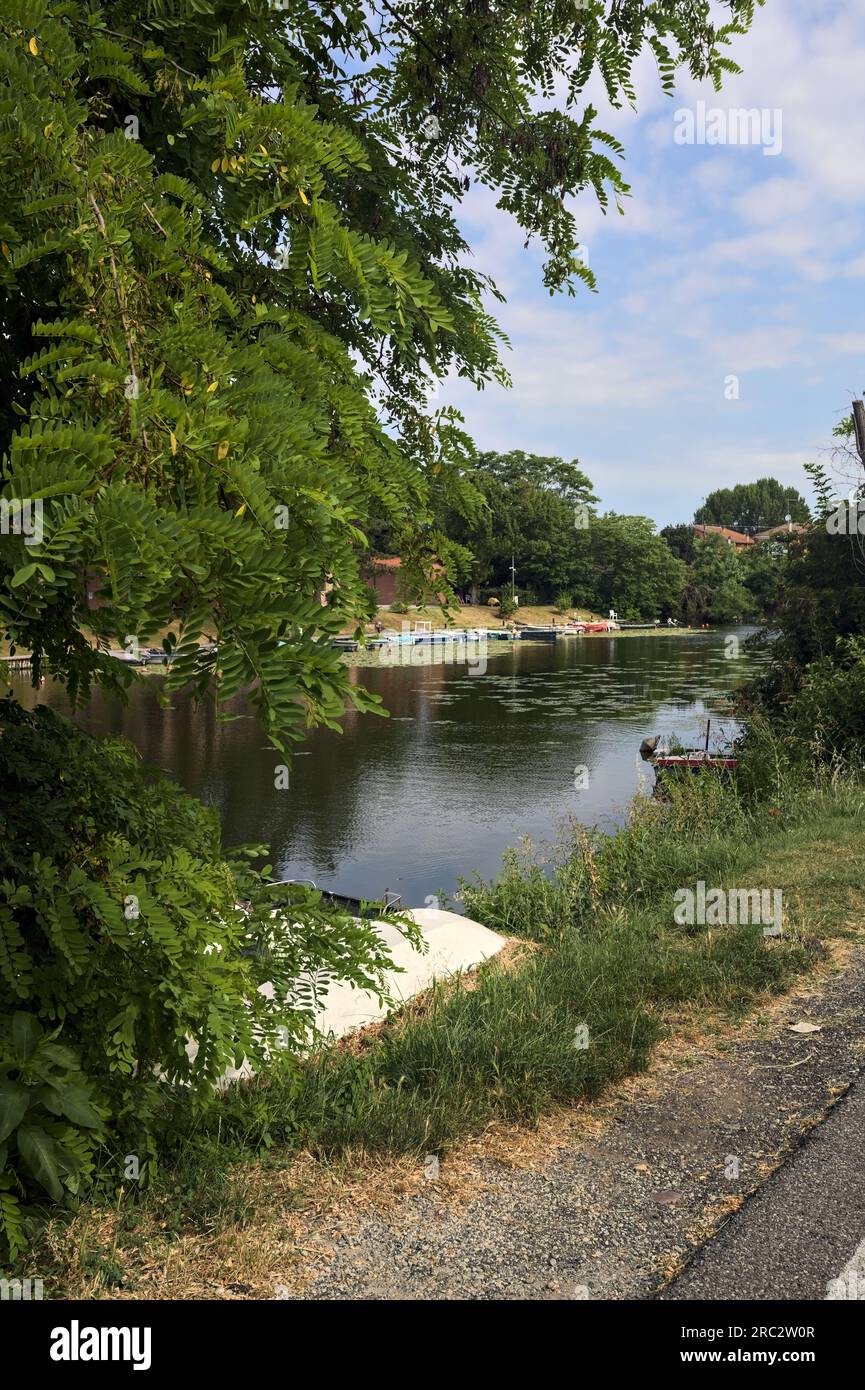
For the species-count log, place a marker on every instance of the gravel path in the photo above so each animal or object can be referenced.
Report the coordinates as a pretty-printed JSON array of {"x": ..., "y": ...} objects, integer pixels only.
[{"x": 616, "y": 1216}]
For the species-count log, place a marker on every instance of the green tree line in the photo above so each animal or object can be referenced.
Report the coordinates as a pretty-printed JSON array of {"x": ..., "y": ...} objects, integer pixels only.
[{"x": 540, "y": 515}]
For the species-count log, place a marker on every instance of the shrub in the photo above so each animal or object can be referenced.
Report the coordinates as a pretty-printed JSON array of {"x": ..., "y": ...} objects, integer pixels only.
[
  {"x": 827, "y": 714},
  {"x": 126, "y": 932}
]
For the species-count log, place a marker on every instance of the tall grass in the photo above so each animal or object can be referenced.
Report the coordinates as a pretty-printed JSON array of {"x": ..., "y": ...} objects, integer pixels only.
[
  {"x": 583, "y": 1005},
  {"x": 702, "y": 823},
  {"x": 580, "y": 1004}
]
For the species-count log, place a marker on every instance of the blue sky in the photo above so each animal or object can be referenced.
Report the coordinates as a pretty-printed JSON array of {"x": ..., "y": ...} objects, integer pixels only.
[{"x": 728, "y": 261}]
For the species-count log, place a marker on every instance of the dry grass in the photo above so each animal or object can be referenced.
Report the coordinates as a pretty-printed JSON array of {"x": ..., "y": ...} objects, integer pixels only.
[
  {"x": 471, "y": 615},
  {"x": 297, "y": 1213}
]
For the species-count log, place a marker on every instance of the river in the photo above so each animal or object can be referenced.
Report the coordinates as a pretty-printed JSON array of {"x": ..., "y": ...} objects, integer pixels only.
[{"x": 471, "y": 758}]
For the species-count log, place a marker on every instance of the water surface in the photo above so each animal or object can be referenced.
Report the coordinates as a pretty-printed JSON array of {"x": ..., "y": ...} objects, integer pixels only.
[{"x": 467, "y": 763}]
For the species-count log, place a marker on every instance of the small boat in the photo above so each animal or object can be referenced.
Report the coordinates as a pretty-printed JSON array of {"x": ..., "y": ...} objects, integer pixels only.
[
  {"x": 694, "y": 760},
  {"x": 443, "y": 945},
  {"x": 686, "y": 760},
  {"x": 358, "y": 907},
  {"x": 128, "y": 658},
  {"x": 154, "y": 656}
]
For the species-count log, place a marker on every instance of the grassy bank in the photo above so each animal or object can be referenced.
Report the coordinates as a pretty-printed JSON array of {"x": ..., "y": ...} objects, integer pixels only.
[
  {"x": 480, "y": 615},
  {"x": 598, "y": 974},
  {"x": 606, "y": 963}
]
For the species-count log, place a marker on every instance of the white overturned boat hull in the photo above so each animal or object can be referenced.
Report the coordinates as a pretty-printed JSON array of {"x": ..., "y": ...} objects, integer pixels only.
[{"x": 454, "y": 943}]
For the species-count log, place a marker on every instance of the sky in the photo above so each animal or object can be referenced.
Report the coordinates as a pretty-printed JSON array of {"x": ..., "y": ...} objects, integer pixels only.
[{"x": 729, "y": 263}]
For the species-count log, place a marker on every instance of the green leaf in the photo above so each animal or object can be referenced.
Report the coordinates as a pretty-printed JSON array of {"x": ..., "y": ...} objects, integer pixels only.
[
  {"x": 21, "y": 576},
  {"x": 38, "y": 1152},
  {"x": 26, "y": 1033},
  {"x": 60, "y": 1055},
  {"x": 14, "y": 1100},
  {"x": 74, "y": 1103}
]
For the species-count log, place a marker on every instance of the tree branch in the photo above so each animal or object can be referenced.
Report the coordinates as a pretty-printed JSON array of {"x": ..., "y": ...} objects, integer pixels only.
[{"x": 118, "y": 294}]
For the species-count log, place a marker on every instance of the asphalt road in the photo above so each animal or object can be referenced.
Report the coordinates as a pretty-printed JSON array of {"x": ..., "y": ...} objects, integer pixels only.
[{"x": 802, "y": 1235}]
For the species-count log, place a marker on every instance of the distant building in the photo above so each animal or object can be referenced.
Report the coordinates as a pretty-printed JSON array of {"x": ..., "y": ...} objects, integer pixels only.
[
  {"x": 787, "y": 528},
  {"x": 735, "y": 538},
  {"x": 382, "y": 576}
]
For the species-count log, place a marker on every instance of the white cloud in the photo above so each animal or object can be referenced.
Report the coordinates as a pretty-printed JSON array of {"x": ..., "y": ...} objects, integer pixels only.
[
  {"x": 759, "y": 349},
  {"x": 775, "y": 200},
  {"x": 725, "y": 262}
]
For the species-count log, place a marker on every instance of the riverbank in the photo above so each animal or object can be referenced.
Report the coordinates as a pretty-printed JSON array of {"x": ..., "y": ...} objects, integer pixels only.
[
  {"x": 432, "y": 654},
  {"x": 470, "y": 615},
  {"x": 393, "y": 622},
  {"x": 481, "y": 616},
  {"x": 598, "y": 978}
]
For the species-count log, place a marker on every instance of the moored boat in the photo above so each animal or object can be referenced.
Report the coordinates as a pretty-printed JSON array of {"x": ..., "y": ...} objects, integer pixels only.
[{"x": 682, "y": 761}]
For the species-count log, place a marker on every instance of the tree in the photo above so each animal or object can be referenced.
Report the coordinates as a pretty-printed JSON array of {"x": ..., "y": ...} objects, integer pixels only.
[
  {"x": 549, "y": 473},
  {"x": 632, "y": 569},
  {"x": 819, "y": 615},
  {"x": 821, "y": 607},
  {"x": 682, "y": 541},
  {"x": 230, "y": 268},
  {"x": 533, "y": 506},
  {"x": 221, "y": 223},
  {"x": 714, "y": 592},
  {"x": 763, "y": 570},
  {"x": 751, "y": 507}
]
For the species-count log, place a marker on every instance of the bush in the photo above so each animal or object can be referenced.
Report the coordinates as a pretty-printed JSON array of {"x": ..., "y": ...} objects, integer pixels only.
[
  {"x": 125, "y": 932},
  {"x": 826, "y": 716},
  {"x": 817, "y": 729},
  {"x": 399, "y": 607},
  {"x": 564, "y": 601}
]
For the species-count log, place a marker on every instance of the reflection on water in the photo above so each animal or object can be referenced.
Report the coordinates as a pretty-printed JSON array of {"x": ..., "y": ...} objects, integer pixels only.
[{"x": 465, "y": 765}]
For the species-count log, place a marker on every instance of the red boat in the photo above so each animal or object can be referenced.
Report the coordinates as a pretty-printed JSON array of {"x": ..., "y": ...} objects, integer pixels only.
[
  {"x": 694, "y": 760},
  {"x": 689, "y": 759}
]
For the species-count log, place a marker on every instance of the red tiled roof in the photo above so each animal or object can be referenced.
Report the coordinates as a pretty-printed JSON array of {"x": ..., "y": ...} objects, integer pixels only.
[
  {"x": 794, "y": 528},
  {"x": 735, "y": 537},
  {"x": 393, "y": 562}
]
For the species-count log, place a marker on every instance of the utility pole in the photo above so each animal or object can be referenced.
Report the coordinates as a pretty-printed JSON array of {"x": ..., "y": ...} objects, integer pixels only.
[{"x": 513, "y": 572}]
